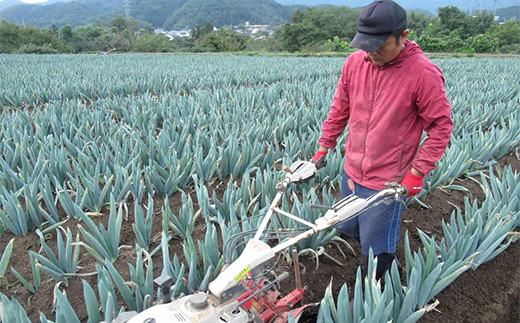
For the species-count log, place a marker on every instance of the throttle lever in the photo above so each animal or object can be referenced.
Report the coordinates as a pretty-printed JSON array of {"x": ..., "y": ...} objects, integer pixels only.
[{"x": 324, "y": 207}]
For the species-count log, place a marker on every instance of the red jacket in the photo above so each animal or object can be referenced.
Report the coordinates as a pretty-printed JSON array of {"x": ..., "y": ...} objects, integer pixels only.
[{"x": 387, "y": 109}]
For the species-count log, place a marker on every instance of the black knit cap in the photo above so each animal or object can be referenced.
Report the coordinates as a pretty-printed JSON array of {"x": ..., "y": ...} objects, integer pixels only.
[{"x": 375, "y": 24}]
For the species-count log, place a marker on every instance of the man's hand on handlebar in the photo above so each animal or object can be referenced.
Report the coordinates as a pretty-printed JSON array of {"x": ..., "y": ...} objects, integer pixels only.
[
  {"x": 319, "y": 159},
  {"x": 413, "y": 181}
]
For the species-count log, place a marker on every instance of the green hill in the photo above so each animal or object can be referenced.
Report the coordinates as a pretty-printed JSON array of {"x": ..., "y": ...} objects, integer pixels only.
[
  {"x": 228, "y": 12},
  {"x": 508, "y": 13},
  {"x": 8, "y": 3},
  {"x": 75, "y": 13},
  {"x": 160, "y": 13},
  {"x": 155, "y": 12}
]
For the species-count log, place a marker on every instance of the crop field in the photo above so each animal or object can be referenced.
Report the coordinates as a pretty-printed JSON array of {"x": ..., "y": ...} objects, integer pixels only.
[{"x": 115, "y": 169}]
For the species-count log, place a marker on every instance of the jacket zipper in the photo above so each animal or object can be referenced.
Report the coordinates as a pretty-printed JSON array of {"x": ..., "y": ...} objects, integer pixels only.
[{"x": 374, "y": 83}]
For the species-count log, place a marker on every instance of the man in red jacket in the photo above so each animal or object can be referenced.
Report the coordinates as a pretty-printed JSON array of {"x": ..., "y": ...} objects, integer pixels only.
[{"x": 389, "y": 92}]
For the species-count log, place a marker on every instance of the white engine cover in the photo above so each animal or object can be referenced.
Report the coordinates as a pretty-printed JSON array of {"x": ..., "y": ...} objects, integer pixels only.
[
  {"x": 183, "y": 310},
  {"x": 255, "y": 253}
]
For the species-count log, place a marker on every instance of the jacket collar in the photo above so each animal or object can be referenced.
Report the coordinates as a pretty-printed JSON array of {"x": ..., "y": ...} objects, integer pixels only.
[{"x": 411, "y": 48}]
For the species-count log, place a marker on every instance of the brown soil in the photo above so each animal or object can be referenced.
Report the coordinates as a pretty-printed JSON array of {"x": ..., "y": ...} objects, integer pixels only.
[{"x": 488, "y": 294}]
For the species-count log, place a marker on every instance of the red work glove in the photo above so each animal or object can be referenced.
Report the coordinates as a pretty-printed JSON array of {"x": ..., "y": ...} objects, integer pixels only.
[
  {"x": 319, "y": 159},
  {"x": 414, "y": 183}
]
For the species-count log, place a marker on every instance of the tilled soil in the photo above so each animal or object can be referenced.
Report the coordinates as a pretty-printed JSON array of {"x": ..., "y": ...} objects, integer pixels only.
[{"x": 488, "y": 294}]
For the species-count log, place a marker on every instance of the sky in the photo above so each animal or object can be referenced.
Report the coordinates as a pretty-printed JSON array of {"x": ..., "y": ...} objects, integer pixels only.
[{"x": 31, "y": 1}]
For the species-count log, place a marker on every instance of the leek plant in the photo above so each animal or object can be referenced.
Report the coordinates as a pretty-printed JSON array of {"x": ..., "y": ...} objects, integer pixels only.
[
  {"x": 4, "y": 260},
  {"x": 50, "y": 202},
  {"x": 107, "y": 298},
  {"x": 103, "y": 243},
  {"x": 184, "y": 223},
  {"x": 141, "y": 280},
  {"x": 89, "y": 188},
  {"x": 32, "y": 205},
  {"x": 120, "y": 283},
  {"x": 212, "y": 260},
  {"x": 58, "y": 162},
  {"x": 209, "y": 250},
  {"x": 235, "y": 159},
  {"x": 15, "y": 218},
  {"x": 247, "y": 191},
  {"x": 174, "y": 269},
  {"x": 484, "y": 232},
  {"x": 227, "y": 208},
  {"x": 10, "y": 179},
  {"x": 72, "y": 207},
  {"x": 19, "y": 171},
  {"x": 143, "y": 226},
  {"x": 429, "y": 274},
  {"x": 166, "y": 183},
  {"x": 266, "y": 181},
  {"x": 202, "y": 197},
  {"x": 107, "y": 294},
  {"x": 12, "y": 310},
  {"x": 198, "y": 280},
  {"x": 137, "y": 182},
  {"x": 123, "y": 177},
  {"x": 36, "y": 277},
  {"x": 64, "y": 311},
  {"x": 205, "y": 166},
  {"x": 63, "y": 265},
  {"x": 91, "y": 302}
]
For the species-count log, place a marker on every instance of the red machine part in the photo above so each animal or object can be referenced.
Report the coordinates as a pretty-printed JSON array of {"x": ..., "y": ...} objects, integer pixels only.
[{"x": 272, "y": 312}]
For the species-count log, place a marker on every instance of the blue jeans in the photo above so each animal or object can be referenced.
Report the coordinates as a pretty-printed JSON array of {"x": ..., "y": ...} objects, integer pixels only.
[{"x": 377, "y": 227}]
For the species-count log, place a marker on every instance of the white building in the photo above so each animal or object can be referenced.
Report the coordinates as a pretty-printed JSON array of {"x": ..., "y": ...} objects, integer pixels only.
[
  {"x": 173, "y": 33},
  {"x": 253, "y": 30}
]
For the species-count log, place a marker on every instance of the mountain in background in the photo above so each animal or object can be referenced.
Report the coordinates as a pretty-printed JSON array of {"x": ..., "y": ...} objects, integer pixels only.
[
  {"x": 431, "y": 5},
  {"x": 178, "y": 14},
  {"x": 61, "y": 13},
  {"x": 168, "y": 14},
  {"x": 509, "y": 13},
  {"x": 229, "y": 12},
  {"x": 9, "y": 3},
  {"x": 155, "y": 12}
]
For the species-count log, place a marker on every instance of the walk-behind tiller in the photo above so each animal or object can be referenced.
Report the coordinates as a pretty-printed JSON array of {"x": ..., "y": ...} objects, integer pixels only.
[{"x": 242, "y": 293}]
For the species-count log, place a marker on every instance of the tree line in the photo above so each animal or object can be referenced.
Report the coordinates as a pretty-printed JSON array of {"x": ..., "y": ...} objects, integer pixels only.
[{"x": 312, "y": 30}]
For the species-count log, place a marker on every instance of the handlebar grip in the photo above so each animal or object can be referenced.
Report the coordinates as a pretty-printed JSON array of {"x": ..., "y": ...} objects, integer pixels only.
[{"x": 320, "y": 163}]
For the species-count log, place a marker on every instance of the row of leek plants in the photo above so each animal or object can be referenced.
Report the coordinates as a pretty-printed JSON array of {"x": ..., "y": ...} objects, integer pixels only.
[
  {"x": 164, "y": 175},
  {"x": 130, "y": 76},
  {"x": 473, "y": 151},
  {"x": 292, "y": 144},
  {"x": 49, "y": 84},
  {"x": 103, "y": 245},
  {"x": 427, "y": 274},
  {"x": 159, "y": 176},
  {"x": 194, "y": 264},
  {"x": 459, "y": 93},
  {"x": 471, "y": 238},
  {"x": 198, "y": 281}
]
